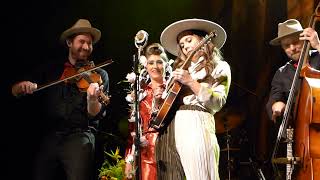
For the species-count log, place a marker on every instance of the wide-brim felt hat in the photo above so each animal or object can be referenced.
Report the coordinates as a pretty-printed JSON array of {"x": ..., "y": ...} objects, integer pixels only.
[
  {"x": 169, "y": 35},
  {"x": 81, "y": 26},
  {"x": 290, "y": 27}
]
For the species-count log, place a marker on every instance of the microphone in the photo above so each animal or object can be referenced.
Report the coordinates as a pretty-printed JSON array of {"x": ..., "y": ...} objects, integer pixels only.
[{"x": 141, "y": 39}]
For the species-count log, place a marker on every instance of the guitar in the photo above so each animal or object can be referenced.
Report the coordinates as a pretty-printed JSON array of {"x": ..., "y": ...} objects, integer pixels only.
[{"x": 174, "y": 88}]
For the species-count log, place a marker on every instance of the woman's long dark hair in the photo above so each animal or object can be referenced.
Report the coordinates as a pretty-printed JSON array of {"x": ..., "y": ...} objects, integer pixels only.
[{"x": 211, "y": 53}]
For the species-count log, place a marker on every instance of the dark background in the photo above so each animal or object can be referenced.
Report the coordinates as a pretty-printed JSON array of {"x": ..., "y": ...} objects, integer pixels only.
[{"x": 30, "y": 38}]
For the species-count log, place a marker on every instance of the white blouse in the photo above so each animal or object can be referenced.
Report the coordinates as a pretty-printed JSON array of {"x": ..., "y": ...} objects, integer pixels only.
[{"x": 213, "y": 93}]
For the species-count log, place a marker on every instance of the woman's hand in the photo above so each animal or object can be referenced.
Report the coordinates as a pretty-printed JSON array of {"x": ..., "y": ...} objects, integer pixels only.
[{"x": 183, "y": 77}]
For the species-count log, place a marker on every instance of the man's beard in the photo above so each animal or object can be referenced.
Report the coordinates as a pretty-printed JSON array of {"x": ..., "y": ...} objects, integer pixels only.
[
  {"x": 295, "y": 56},
  {"x": 83, "y": 56}
]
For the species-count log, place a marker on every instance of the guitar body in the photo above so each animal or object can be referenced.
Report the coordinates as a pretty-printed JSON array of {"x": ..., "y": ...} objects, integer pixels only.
[{"x": 158, "y": 121}]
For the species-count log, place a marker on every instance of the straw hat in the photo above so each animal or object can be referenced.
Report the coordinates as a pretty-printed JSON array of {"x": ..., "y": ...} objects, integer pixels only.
[
  {"x": 290, "y": 27},
  {"x": 81, "y": 26},
  {"x": 169, "y": 35}
]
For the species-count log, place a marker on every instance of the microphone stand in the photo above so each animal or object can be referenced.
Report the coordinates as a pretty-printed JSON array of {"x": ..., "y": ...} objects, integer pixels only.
[
  {"x": 141, "y": 39},
  {"x": 136, "y": 89},
  {"x": 137, "y": 114}
]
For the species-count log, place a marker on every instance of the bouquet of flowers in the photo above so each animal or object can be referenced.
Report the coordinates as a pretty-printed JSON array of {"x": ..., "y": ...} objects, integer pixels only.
[{"x": 114, "y": 169}]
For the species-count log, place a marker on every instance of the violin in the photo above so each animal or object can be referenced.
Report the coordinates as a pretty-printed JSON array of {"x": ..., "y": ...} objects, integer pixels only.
[{"x": 85, "y": 75}]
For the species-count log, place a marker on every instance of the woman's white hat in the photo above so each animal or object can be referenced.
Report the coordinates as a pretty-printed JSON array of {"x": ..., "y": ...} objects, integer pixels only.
[{"x": 169, "y": 35}]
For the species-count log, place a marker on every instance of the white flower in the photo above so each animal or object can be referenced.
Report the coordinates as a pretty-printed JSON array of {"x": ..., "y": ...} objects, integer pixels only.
[
  {"x": 129, "y": 98},
  {"x": 132, "y": 119},
  {"x": 143, "y": 61},
  {"x": 131, "y": 77},
  {"x": 142, "y": 94},
  {"x": 133, "y": 134},
  {"x": 129, "y": 158}
]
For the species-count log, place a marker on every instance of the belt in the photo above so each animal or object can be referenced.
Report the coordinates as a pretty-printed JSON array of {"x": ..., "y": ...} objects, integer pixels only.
[{"x": 193, "y": 107}]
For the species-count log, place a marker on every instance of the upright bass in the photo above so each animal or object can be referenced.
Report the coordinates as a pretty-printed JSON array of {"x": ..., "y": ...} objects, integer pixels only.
[
  {"x": 307, "y": 122},
  {"x": 303, "y": 161}
]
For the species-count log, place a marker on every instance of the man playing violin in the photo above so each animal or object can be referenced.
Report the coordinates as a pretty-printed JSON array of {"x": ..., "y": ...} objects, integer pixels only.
[{"x": 72, "y": 113}]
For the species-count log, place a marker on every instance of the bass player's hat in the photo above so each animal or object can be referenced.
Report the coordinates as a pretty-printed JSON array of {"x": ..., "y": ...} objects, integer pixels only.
[{"x": 290, "y": 27}]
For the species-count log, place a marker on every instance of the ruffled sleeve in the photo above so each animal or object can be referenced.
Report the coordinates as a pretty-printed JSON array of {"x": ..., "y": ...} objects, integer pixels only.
[{"x": 213, "y": 95}]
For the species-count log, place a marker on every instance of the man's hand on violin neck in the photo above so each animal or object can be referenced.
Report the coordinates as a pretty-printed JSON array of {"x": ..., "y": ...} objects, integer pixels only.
[{"x": 93, "y": 92}]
